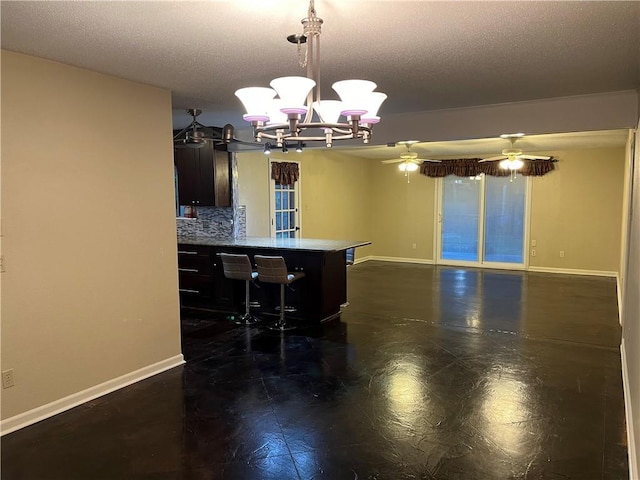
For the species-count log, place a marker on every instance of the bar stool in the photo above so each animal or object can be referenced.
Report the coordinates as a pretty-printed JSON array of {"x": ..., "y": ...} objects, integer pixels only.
[
  {"x": 238, "y": 267},
  {"x": 274, "y": 270}
]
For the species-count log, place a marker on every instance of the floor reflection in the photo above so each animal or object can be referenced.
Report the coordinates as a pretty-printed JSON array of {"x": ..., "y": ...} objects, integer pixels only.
[{"x": 431, "y": 372}]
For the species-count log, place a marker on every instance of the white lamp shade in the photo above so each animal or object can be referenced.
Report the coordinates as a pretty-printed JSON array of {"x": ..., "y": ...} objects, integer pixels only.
[
  {"x": 276, "y": 116},
  {"x": 328, "y": 110},
  {"x": 508, "y": 164},
  {"x": 353, "y": 94},
  {"x": 256, "y": 101},
  {"x": 374, "y": 100},
  {"x": 293, "y": 92},
  {"x": 408, "y": 166},
  {"x": 516, "y": 164}
]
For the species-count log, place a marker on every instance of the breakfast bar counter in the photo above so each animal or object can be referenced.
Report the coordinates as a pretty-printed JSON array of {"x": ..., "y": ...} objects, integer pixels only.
[{"x": 317, "y": 297}]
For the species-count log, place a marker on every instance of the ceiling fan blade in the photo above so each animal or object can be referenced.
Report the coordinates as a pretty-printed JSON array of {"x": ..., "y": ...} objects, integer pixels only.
[
  {"x": 493, "y": 159},
  {"x": 393, "y": 161},
  {"x": 535, "y": 157},
  {"x": 431, "y": 160},
  {"x": 181, "y": 132}
]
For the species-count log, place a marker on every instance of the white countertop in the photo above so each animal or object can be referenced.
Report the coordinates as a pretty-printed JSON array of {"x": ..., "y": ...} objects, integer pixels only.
[{"x": 308, "y": 244}]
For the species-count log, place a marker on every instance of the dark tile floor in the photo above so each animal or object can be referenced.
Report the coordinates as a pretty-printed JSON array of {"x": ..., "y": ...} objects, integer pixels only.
[{"x": 431, "y": 373}]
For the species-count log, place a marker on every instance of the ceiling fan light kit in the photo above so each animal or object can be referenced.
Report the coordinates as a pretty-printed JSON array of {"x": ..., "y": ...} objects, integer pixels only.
[
  {"x": 408, "y": 167},
  {"x": 290, "y": 116},
  {"x": 511, "y": 158}
]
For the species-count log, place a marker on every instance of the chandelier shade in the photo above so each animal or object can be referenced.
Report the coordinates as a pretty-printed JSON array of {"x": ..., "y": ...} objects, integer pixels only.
[
  {"x": 292, "y": 109},
  {"x": 256, "y": 101},
  {"x": 293, "y": 93},
  {"x": 275, "y": 113},
  {"x": 374, "y": 101},
  {"x": 354, "y": 95},
  {"x": 329, "y": 111}
]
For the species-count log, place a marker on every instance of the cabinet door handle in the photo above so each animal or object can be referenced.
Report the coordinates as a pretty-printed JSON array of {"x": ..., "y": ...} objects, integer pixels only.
[
  {"x": 187, "y": 252},
  {"x": 192, "y": 270},
  {"x": 188, "y": 290}
]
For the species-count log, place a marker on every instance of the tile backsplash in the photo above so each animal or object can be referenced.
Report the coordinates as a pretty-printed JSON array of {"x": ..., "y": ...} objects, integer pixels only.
[{"x": 217, "y": 222}]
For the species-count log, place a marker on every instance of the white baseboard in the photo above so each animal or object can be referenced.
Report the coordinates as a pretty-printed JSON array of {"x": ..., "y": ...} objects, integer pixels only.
[
  {"x": 619, "y": 292},
  {"x": 634, "y": 467},
  {"x": 58, "y": 406},
  {"x": 361, "y": 260},
  {"x": 569, "y": 271},
  {"x": 421, "y": 261}
]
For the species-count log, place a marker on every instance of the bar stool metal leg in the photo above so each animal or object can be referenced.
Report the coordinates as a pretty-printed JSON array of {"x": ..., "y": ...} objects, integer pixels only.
[
  {"x": 273, "y": 269},
  {"x": 281, "y": 325}
]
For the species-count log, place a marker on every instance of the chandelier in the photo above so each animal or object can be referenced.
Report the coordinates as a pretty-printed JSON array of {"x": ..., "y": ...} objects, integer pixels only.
[{"x": 281, "y": 118}]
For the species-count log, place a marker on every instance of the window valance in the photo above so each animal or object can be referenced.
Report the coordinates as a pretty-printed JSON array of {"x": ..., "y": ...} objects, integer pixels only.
[
  {"x": 470, "y": 167},
  {"x": 285, "y": 173}
]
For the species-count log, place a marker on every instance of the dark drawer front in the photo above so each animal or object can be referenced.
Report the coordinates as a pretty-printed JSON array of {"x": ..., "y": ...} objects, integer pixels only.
[
  {"x": 196, "y": 285},
  {"x": 194, "y": 259},
  {"x": 189, "y": 250}
]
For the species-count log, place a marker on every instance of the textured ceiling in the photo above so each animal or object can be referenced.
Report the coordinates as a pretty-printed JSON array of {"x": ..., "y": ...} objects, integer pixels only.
[{"x": 425, "y": 55}]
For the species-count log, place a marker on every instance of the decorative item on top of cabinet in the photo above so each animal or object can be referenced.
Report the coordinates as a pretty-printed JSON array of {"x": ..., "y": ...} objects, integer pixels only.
[{"x": 204, "y": 175}]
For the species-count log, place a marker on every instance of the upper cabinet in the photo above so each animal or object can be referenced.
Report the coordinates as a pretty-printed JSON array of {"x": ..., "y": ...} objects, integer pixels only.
[{"x": 204, "y": 176}]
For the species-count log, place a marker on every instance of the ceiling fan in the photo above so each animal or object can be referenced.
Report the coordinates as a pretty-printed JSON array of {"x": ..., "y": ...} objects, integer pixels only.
[
  {"x": 196, "y": 135},
  {"x": 408, "y": 161},
  {"x": 511, "y": 158}
]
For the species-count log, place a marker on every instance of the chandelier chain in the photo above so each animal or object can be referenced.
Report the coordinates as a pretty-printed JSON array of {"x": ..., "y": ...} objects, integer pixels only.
[
  {"x": 302, "y": 56},
  {"x": 360, "y": 99}
]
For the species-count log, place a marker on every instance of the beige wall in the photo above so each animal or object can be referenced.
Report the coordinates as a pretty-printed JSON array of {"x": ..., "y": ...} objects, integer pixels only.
[
  {"x": 90, "y": 288},
  {"x": 578, "y": 209},
  {"x": 253, "y": 191},
  {"x": 403, "y": 213},
  {"x": 335, "y": 192}
]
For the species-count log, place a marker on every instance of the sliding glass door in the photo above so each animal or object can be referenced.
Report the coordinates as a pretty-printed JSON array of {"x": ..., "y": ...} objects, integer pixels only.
[{"x": 482, "y": 221}]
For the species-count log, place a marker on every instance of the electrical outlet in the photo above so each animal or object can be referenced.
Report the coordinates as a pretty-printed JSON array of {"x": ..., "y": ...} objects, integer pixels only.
[
  {"x": 1, "y": 263},
  {"x": 533, "y": 252},
  {"x": 413, "y": 245},
  {"x": 7, "y": 378},
  {"x": 561, "y": 253}
]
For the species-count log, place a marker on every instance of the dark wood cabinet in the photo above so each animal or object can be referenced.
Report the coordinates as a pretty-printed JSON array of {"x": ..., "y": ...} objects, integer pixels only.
[
  {"x": 204, "y": 176},
  {"x": 194, "y": 275},
  {"x": 201, "y": 279}
]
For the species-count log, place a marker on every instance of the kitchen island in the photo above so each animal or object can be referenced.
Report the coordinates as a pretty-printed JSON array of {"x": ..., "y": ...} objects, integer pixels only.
[{"x": 317, "y": 297}]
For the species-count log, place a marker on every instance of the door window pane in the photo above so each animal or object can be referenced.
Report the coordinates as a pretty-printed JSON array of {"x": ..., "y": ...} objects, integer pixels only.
[
  {"x": 285, "y": 213},
  {"x": 504, "y": 219},
  {"x": 460, "y": 218}
]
